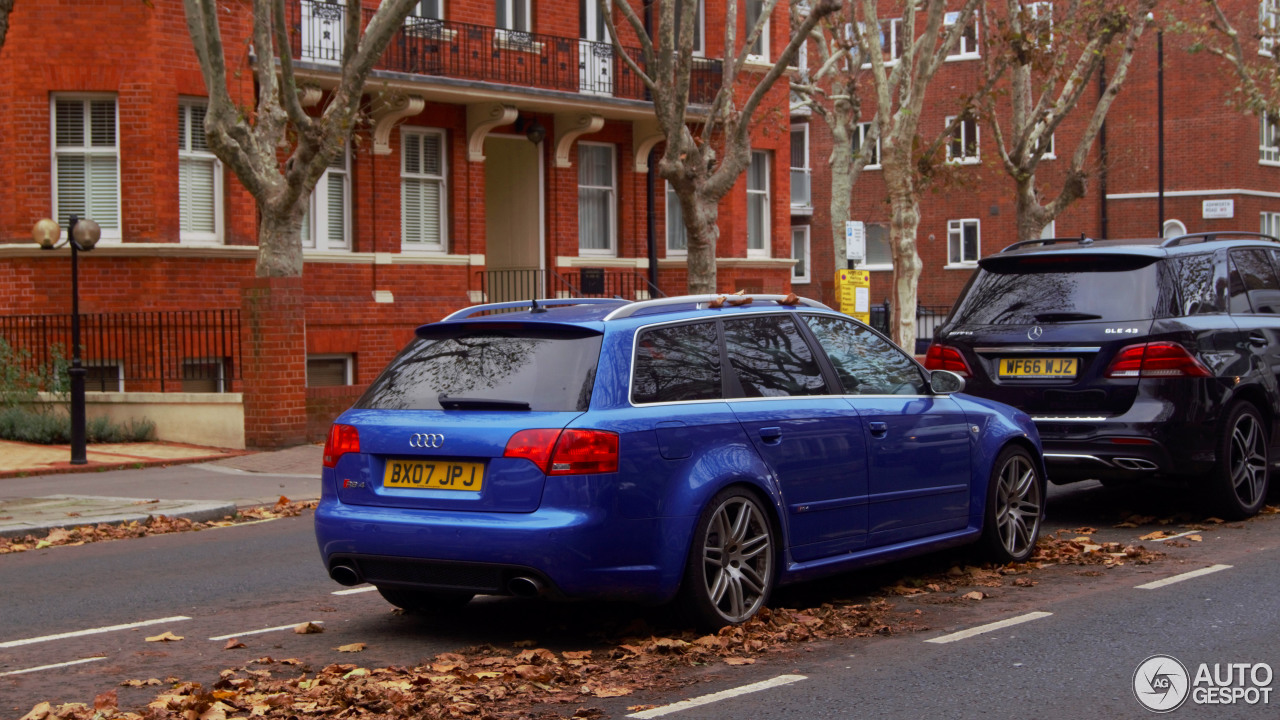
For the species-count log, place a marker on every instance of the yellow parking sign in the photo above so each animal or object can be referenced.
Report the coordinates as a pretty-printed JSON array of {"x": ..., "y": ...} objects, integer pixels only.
[{"x": 853, "y": 288}]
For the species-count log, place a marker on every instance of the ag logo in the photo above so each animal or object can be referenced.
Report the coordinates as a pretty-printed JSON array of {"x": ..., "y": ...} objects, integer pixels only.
[{"x": 1161, "y": 683}]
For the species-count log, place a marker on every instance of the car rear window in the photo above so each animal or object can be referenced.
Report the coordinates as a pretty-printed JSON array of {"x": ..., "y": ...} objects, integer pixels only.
[
  {"x": 549, "y": 370},
  {"x": 1045, "y": 288}
]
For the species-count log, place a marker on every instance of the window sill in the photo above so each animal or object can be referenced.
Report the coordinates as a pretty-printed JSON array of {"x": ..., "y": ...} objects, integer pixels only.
[
  {"x": 961, "y": 266},
  {"x": 802, "y": 209},
  {"x": 965, "y": 56},
  {"x": 1269, "y": 163},
  {"x": 757, "y": 63},
  {"x": 964, "y": 161}
]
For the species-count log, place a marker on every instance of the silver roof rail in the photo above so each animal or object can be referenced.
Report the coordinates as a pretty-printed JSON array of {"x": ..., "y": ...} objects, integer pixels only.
[
  {"x": 701, "y": 302},
  {"x": 528, "y": 305}
]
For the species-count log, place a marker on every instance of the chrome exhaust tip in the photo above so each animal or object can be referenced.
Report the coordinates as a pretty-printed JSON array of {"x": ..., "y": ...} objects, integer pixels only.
[{"x": 526, "y": 587}]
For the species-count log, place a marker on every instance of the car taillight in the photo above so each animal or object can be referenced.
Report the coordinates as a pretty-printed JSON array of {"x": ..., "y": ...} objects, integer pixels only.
[
  {"x": 571, "y": 452},
  {"x": 1156, "y": 359},
  {"x": 945, "y": 357},
  {"x": 343, "y": 439}
]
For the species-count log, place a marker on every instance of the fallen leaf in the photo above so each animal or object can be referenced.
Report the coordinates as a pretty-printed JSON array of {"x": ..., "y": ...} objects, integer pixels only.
[
  {"x": 1195, "y": 538},
  {"x": 975, "y": 595},
  {"x": 308, "y": 628},
  {"x": 106, "y": 700},
  {"x": 611, "y": 691},
  {"x": 39, "y": 712},
  {"x": 1157, "y": 535},
  {"x": 739, "y": 661},
  {"x": 233, "y": 644},
  {"x": 352, "y": 648},
  {"x": 166, "y": 636}
]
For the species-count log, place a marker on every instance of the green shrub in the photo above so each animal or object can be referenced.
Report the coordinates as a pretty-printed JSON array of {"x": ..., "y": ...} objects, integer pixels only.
[{"x": 47, "y": 428}]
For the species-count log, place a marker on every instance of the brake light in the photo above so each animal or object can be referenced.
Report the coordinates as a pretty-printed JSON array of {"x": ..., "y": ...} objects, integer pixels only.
[
  {"x": 1156, "y": 359},
  {"x": 343, "y": 439},
  {"x": 945, "y": 357},
  {"x": 571, "y": 452}
]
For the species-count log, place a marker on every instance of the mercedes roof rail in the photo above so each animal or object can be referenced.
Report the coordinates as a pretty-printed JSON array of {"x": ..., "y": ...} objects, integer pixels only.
[
  {"x": 700, "y": 302},
  {"x": 1203, "y": 237},
  {"x": 1082, "y": 240},
  {"x": 533, "y": 306}
]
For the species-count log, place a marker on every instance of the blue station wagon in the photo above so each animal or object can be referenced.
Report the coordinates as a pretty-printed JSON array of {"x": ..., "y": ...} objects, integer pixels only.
[{"x": 703, "y": 448}]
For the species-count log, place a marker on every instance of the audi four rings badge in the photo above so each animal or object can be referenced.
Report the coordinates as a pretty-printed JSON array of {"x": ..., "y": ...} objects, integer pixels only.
[{"x": 426, "y": 440}]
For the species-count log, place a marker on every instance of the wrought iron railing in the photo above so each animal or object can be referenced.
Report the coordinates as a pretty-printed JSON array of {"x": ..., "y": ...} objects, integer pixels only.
[
  {"x": 528, "y": 283},
  {"x": 195, "y": 350},
  {"x": 928, "y": 319},
  {"x": 465, "y": 51}
]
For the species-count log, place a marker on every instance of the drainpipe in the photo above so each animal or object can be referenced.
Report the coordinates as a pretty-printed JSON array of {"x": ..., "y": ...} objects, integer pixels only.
[
  {"x": 1160, "y": 129},
  {"x": 649, "y": 222},
  {"x": 1102, "y": 150}
]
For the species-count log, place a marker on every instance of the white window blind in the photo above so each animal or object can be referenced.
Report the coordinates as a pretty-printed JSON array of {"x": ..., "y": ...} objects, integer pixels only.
[
  {"x": 596, "y": 198},
  {"x": 327, "y": 225},
  {"x": 758, "y": 204},
  {"x": 422, "y": 189},
  {"x": 199, "y": 176},
  {"x": 86, "y": 162}
]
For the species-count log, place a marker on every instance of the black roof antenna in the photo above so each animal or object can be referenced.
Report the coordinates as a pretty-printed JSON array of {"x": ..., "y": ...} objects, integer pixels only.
[
  {"x": 534, "y": 307},
  {"x": 1085, "y": 240}
]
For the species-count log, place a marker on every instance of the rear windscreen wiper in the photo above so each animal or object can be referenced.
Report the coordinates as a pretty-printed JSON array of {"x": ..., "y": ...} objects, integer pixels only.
[
  {"x": 1065, "y": 316},
  {"x": 463, "y": 403}
]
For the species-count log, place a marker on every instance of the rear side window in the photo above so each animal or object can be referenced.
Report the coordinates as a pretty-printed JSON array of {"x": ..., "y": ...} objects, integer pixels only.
[
  {"x": 770, "y": 357},
  {"x": 1047, "y": 288},
  {"x": 1193, "y": 276},
  {"x": 865, "y": 363},
  {"x": 1253, "y": 283},
  {"x": 548, "y": 371},
  {"x": 677, "y": 362}
]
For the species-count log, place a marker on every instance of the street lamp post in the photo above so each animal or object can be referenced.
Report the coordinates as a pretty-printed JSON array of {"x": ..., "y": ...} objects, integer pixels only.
[{"x": 82, "y": 235}]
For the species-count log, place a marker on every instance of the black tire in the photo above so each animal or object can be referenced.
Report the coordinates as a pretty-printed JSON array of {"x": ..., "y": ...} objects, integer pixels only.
[
  {"x": 425, "y": 601},
  {"x": 1238, "y": 486},
  {"x": 732, "y": 564},
  {"x": 1015, "y": 506}
]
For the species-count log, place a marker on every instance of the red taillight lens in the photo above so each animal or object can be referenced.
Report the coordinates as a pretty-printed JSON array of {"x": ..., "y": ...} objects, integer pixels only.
[
  {"x": 533, "y": 445},
  {"x": 343, "y": 439},
  {"x": 1156, "y": 359},
  {"x": 945, "y": 357},
  {"x": 585, "y": 451},
  {"x": 571, "y": 452}
]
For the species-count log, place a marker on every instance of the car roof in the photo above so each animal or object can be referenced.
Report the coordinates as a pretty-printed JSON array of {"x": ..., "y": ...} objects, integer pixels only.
[{"x": 1149, "y": 247}]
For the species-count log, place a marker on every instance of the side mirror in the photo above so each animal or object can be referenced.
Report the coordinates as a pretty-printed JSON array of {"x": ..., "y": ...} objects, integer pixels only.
[{"x": 945, "y": 382}]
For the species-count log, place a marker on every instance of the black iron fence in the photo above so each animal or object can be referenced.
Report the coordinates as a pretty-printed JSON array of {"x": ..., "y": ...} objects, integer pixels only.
[
  {"x": 464, "y": 51},
  {"x": 181, "y": 350},
  {"x": 528, "y": 283},
  {"x": 928, "y": 318}
]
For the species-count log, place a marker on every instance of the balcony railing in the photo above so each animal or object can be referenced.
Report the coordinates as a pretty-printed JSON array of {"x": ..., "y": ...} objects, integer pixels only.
[{"x": 444, "y": 48}]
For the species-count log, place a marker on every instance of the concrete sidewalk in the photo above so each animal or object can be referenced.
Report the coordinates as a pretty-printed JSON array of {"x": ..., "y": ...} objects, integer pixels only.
[{"x": 40, "y": 489}]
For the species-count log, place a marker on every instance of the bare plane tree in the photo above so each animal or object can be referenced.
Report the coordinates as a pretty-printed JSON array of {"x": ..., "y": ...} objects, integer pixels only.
[
  {"x": 1257, "y": 67},
  {"x": 248, "y": 140},
  {"x": 6, "y": 7},
  {"x": 702, "y": 163}
]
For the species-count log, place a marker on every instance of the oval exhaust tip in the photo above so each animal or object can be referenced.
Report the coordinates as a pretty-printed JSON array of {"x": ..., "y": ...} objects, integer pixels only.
[
  {"x": 345, "y": 575},
  {"x": 525, "y": 587}
]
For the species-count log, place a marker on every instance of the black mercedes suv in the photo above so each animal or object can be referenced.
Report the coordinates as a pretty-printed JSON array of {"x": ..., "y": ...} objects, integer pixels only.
[{"x": 1136, "y": 358}]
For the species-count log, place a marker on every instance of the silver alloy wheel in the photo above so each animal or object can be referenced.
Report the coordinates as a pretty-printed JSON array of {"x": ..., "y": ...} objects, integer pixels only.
[
  {"x": 1018, "y": 505},
  {"x": 737, "y": 559},
  {"x": 1248, "y": 459}
]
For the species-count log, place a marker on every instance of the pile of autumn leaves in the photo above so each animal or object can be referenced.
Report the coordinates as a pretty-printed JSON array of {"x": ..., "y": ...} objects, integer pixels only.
[
  {"x": 152, "y": 525},
  {"x": 500, "y": 684}
]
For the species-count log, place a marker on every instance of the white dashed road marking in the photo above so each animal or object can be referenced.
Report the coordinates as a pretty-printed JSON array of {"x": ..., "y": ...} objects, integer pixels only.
[
  {"x": 1184, "y": 576},
  {"x": 93, "y": 631},
  {"x": 717, "y": 697},
  {"x": 52, "y": 667},
  {"x": 355, "y": 591},
  {"x": 989, "y": 627},
  {"x": 264, "y": 630}
]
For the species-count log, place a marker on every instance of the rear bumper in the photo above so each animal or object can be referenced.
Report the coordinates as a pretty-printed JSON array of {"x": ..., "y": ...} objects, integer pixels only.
[{"x": 571, "y": 553}]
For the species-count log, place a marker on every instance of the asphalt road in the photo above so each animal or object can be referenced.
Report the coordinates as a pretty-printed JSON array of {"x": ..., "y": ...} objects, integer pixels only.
[{"x": 256, "y": 582}]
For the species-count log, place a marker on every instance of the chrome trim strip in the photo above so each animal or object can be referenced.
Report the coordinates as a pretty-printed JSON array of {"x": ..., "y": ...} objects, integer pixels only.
[
  {"x": 1071, "y": 456},
  {"x": 1036, "y": 349},
  {"x": 1049, "y": 418}
]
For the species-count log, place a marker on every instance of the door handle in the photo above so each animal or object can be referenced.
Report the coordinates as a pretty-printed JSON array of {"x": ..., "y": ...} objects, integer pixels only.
[
  {"x": 771, "y": 435},
  {"x": 878, "y": 429}
]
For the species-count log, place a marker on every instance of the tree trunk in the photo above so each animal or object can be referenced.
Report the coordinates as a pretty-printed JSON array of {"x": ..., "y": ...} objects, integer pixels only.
[
  {"x": 904, "y": 224},
  {"x": 280, "y": 241},
  {"x": 1030, "y": 216},
  {"x": 841, "y": 187},
  {"x": 703, "y": 232}
]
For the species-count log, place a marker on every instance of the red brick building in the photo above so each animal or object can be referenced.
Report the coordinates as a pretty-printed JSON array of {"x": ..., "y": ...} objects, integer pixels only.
[
  {"x": 1221, "y": 169},
  {"x": 505, "y": 157}
]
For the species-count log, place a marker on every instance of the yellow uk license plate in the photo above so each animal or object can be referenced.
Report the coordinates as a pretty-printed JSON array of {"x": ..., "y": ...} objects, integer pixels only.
[
  {"x": 433, "y": 475},
  {"x": 1038, "y": 367}
]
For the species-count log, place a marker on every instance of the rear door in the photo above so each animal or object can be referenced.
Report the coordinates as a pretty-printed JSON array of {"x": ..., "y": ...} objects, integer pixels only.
[
  {"x": 1255, "y": 308},
  {"x": 811, "y": 439}
]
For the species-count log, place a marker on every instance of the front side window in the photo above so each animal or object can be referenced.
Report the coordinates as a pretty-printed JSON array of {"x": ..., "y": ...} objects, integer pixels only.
[
  {"x": 760, "y": 48},
  {"x": 865, "y": 363},
  {"x": 861, "y": 145},
  {"x": 86, "y": 162},
  {"x": 800, "y": 172},
  {"x": 677, "y": 363},
  {"x": 758, "y": 225},
  {"x": 423, "y": 196},
  {"x": 1269, "y": 144},
  {"x": 800, "y": 253},
  {"x": 328, "y": 224},
  {"x": 199, "y": 177},
  {"x": 597, "y": 198},
  {"x": 677, "y": 235},
  {"x": 963, "y": 147},
  {"x": 963, "y": 242},
  {"x": 770, "y": 358},
  {"x": 967, "y": 47}
]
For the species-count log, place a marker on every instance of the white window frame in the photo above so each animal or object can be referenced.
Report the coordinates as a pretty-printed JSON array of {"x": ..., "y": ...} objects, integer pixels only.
[
  {"x": 877, "y": 266},
  {"x": 441, "y": 179},
  {"x": 186, "y": 154},
  {"x": 955, "y": 228},
  {"x": 612, "y": 191},
  {"x": 700, "y": 20},
  {"x": 762, "y": 195},
  {"x": 803, "y": 258},
  {"x": 1049, "y": 231},
  {"x": 806, "y": 171},
  {"x": 1052, "y": 152},
  {"x": 889, "y": 48},
  {"x": 1271, "y": 224},
  {"x": 117, "y": 370},
  {"x": 763, "y": 54},
  {"x": 675, "y": 225},
  {"x": 961, "y": 128},
  {"x": 86, "y": 151},
  {"x": 348, "y": 361},
  {"x": 1042, "y": 12},
  {"x": 417, "y": 11},
  {"x": 860, "y": 133},
  {"x": 1269, "y": 140},
  {"x": 220, "y": 365},
  {"x": 316, "y": 233},
  {"x": 510, "y": 7},
  {"x": 1268, "y": 25},
  {"x": 962, "y": 50}
]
